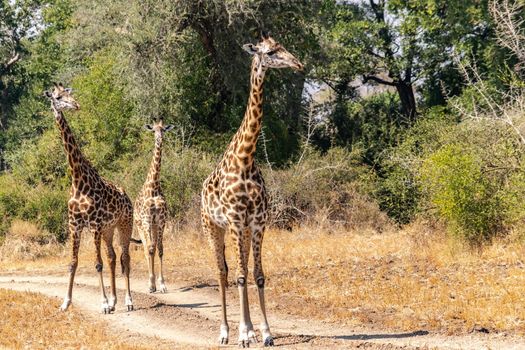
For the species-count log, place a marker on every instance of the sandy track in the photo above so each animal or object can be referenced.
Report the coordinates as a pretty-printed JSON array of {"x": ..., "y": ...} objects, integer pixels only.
[{"x": 189, "y": 315}]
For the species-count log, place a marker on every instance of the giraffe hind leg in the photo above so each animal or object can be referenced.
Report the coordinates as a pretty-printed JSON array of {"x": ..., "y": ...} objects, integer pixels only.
[
  {"x": 258, "y": 274},
  {"x": 160, "y": 250},
  {"x": 125, "y": 229}
]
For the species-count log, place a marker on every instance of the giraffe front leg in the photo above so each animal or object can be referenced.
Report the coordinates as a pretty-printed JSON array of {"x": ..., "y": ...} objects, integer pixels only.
[
  {"x": 151, "y": 267},
  {"x": 112, "y": 257},
  {"x": 258, "y": 275},
  {"x": 75, "y": 231},
  {"x": 150, "y": 243},
  {"x": 252, "y": 337},
  {"x": 242, "y": 284},
  {"x": 160, "y": 249}
]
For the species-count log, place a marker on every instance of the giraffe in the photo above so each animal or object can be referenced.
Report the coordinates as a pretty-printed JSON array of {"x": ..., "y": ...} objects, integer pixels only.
[
  {"x": 95, "y": 204},
  {"x": 234, "y": 197},
  {"x": 150, "y": 209}
]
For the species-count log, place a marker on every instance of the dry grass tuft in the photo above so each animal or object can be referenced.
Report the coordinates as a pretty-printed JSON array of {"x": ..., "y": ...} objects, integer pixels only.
[
  {"x": 32, "y": 321},
  {"x": 26, "y": 241}
]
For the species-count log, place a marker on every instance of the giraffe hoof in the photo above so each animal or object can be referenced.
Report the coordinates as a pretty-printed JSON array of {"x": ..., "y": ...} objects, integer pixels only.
[
  {"x": 65, "y": 305},
  {"x": 252, "y": 337},
  {"x": 223, "y": 341},
  {"x": 130, "y": 307},
  {"x": 244, "y": 343},
  {"x": 152, "y": 289},
  {"x": 163, "y": 289},
  {"x": 268, "y": 341}
]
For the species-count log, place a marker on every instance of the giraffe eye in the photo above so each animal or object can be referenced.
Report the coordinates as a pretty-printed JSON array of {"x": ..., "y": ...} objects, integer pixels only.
[
  {"x": 59, "y": 97},
  {"x": 271, "y": 53}
]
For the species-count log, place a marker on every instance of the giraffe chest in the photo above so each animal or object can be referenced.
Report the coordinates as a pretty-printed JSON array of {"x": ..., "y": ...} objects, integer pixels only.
[
  {"x": 235, "y": 198},
  {"x": 149, "y": 208}
]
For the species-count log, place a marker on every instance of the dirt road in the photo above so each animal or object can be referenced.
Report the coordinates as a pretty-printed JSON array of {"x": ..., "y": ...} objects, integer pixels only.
[{"x": 189, "y": 316}]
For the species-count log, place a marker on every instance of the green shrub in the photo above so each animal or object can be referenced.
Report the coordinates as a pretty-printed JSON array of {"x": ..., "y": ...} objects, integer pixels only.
[
  {"x": 42, "y": 205},
  {"x": 11, "y": 201},
  {"x": 398, "y": 189},
  {"x": 398, "y": 193},
  {"x": 463, "y": 195},
  {"x": 47, "y": 207}
]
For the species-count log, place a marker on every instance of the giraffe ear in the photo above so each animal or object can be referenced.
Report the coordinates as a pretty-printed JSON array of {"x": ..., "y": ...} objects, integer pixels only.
[
  {"x": 148, "y": 127},
  {"x": 250, "y": 48},
  {"x": 47, "y": 94},
  {"x": 68, "y": 90},
  {"x": 168, "y": 128},
  {"x": 265, "y": 34}
]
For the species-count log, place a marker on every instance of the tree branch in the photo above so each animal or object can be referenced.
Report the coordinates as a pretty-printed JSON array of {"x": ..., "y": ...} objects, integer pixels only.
[
  {"x": 366, "y": 78},
  {"x": 12, "y": 60}
]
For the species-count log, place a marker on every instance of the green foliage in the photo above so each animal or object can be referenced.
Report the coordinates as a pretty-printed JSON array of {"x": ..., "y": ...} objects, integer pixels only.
[
  {"x": 130, "y": 61},
  {"x": 372, "y": 124},
  {"x": 106, "y": 120},
  {"x": 466, "y": 198},
  {"x": 42, "y": 205}
]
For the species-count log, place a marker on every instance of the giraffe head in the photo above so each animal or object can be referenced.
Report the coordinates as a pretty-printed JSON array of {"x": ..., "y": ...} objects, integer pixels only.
[
  {"x": 61, "y": 98},
  {"x": 271, "y": 54},
  {"x": 158, "y": 128}
]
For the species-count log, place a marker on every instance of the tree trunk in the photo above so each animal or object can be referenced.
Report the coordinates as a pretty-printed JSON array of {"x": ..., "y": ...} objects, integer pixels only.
[
  {"x": 216, "y": 121},
  {"x": 3, "y": 120},
  {"x": 408, "y": 100}
]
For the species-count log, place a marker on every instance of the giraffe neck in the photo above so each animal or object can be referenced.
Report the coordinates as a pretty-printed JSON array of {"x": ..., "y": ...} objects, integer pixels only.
[
  {"x": 77, "y": 162},
  {"x": 244, "y": 142},
  {"x": 153, "y": 180}
]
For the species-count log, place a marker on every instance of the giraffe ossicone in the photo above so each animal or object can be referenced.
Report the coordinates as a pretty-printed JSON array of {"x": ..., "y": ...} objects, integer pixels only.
[
  {"x": 234, "y": 197},
  {"x": 94, "y": 204}
]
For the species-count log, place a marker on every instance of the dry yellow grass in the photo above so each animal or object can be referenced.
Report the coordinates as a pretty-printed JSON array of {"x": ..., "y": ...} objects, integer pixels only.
[
  {"x": 32, "y": 321},
  {"x": 404, "y": 280},
  {"x": 26, "y": 241}
]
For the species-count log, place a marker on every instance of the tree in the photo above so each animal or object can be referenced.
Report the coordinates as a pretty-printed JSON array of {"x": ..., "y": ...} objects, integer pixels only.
[
  {"x": 403, "y": 43},
  {"x": 28, "y": 55},
  {"x": 184, "y": 62},
  {"x": 19, "y": 21}
]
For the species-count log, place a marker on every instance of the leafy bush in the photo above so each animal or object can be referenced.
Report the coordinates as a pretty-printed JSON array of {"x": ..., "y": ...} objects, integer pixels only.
[
  {"x": 462, "y": 194},
  {"x": 398, "y": 189},
  {"x": 43, "y": 206}
]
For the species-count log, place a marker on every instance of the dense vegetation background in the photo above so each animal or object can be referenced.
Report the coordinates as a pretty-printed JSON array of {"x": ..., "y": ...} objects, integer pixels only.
[{"x": 407, "y": 109}]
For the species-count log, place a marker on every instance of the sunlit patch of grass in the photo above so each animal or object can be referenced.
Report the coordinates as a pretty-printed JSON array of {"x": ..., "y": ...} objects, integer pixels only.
[
  {"x": 416, "y": 278},
  {"x": 32, "y": 321},
  {"x": 25, "y": 241}
]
